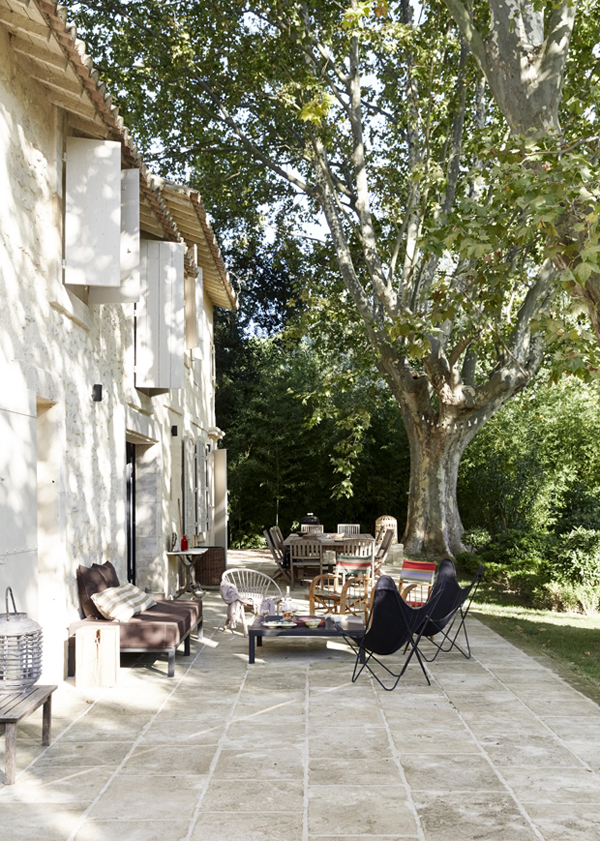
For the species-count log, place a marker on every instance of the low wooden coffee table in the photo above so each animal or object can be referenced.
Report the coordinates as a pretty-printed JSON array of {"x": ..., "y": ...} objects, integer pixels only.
[{"x": 355, "y": 628}]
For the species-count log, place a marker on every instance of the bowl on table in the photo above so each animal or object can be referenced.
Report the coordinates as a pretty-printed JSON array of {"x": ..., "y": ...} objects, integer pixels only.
[{"x": 312, "y": 621}]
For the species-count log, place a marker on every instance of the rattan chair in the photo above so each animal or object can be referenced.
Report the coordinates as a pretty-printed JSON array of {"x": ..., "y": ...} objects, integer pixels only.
[{"x": 253, "y": 588}]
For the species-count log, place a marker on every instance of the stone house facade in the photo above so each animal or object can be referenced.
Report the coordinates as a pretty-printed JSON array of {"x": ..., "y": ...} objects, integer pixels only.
[{"x": 108, "y": 280}]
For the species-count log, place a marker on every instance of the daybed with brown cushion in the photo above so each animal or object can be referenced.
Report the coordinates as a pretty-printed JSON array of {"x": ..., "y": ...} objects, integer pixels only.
[{"x": 160, "y": 629}]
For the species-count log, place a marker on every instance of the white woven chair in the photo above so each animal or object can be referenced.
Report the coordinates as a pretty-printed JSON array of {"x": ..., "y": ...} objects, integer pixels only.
[{"x": 253, "y": 587}]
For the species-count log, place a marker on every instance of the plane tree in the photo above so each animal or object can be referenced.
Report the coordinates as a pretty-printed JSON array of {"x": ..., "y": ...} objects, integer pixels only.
[{"x": 371, "y": 127}]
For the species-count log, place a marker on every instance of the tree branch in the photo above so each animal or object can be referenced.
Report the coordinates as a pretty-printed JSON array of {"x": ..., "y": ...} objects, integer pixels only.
[{"x": 469, "y": 32}]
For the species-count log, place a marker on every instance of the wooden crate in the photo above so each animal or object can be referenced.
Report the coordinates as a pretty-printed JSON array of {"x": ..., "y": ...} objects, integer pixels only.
[
  {"x": 210, "y": 566},
  {"x": 97, "y": 654}
]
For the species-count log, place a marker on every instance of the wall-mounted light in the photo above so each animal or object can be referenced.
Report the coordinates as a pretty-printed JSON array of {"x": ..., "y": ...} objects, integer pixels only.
[
  {"x": 97, "y": 393},
  {"x": 174, "y": 432}
]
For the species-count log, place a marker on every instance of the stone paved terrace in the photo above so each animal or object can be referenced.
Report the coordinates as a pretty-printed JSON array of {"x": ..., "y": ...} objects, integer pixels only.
[{"x": 498, "y": 748}]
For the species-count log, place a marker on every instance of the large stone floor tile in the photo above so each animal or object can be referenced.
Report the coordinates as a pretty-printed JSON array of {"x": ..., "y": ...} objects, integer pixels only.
[
  {"x": 486, "y": 701},
  {"x": 182, "y": 732},
  {"x": 448, "y": 772},
  {"x": 274, "y": 796},
  {"x": 62, "y": 784},
  {"x": 356, "y": 767},
  {"x": 360, "y": 810},
  {"x": 261, "y": 764},
  {"x": 99, "y": 727},
  {"x": 575, "y": 728},
  {"x": 162, "y": 796},
  {"x": 436, "y": 742},
  {"x": 520, "y": 722},
  {"x": 247, "y": 735},
  {"x": 553, "y": 702},
  {"x": 245, "y": 826},
  {"x": 478, "y": 816},
  {"x": 135, "y": 830},
  {"x": 561, "y": 823},
  {"x": 175, "y": 760},
  {"x": 553, "y": 785},
  {"x": 351, "y": 716},
  {"x": 587, "y": 751},
  {"x": 534, "y": 751},
  {"x": 47, "y": 821},
  {"x": 73, "y": 754}
]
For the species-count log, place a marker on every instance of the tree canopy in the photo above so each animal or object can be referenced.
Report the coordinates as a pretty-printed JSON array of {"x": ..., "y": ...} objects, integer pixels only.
[{"x": 459, "y": 213}]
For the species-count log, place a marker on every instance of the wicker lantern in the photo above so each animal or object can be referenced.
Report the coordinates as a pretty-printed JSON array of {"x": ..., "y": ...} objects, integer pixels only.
[{"x": 20, "y": 650}]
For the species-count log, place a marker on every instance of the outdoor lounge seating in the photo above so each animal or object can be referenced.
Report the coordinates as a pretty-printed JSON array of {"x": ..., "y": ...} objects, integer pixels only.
[
  {"x": 160, "y": 630},
  {"x": 416, "y": 581},
  {"x": 392, "y": 626},
  {"x": 305, "y": 555},
  {"x": 251, "y": 588},
  {"x": 348, "y": 528},
  {"x": 311, "y": 528},
  {"x": 451, "y": 606},
  {"x": 277, "y": 550},
  {"x": 383, "y": 549},
  {"x": 345, "y": 590}
]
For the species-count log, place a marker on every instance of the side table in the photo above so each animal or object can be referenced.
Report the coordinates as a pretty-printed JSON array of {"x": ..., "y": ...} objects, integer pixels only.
[{"x": 13, "y": 708}]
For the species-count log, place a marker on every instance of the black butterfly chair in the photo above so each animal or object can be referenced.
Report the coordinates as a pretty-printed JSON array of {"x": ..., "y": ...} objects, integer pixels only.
[
  {"x": 392, "y": 625},
  {"x": 451, "y": 607}
]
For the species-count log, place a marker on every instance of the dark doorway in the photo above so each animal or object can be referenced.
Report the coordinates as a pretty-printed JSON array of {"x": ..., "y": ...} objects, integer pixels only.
[{"x": 130, "y": 516}]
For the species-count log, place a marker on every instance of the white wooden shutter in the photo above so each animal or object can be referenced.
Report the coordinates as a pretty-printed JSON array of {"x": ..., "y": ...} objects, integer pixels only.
[
  {"x": 160, "y": 321},
  {"x": 129, "y": 290},
  {"x": 93, "y": 212},
  {"x": 202, "y": 513},
  {"x": 189, "y": 486},
  {"x": 194, "y": 313}
]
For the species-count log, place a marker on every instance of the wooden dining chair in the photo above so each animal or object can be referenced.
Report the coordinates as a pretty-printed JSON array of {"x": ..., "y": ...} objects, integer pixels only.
[
  {"x": 348, "y": 528},
  {"x": 305, "y": 555},
  {"x": 416, "y": 581}
]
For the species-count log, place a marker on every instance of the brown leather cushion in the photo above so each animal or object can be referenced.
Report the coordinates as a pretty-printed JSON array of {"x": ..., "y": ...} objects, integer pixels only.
[
  {"x": 162, "y": 626},
  {"x": 109, "y": 573},
  {"x": 92, "y": 580}
]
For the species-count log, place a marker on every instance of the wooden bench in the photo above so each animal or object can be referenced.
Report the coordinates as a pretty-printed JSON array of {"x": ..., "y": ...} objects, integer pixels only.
[{"x": 13, "y": 708}]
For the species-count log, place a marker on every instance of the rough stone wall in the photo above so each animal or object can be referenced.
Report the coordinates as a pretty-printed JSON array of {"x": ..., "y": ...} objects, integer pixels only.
[{"x": 60, "y": 347}]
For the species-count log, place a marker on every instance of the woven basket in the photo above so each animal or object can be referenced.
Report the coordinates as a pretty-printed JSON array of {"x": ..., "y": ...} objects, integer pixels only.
[
  {"x": 210, "y": 566},
  {"x": 20, "y": 650}
]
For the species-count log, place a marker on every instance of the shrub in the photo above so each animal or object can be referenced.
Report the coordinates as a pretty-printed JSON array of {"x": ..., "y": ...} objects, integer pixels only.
[
  {"x": 476, "y": 538},
  {"x": 578, "y": 557}
]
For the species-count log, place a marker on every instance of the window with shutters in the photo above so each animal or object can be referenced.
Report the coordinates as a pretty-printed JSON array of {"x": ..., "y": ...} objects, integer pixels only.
[
  {"x": 160, "y": 320},
  {"x": 93, "y": 213}
]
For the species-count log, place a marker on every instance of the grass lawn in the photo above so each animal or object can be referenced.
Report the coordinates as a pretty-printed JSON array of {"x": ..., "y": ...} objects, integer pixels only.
[{"x": 571, "y": 640}]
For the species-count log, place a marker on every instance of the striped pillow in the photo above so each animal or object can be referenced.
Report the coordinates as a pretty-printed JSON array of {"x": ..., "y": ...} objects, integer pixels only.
[
  {"x": 353, "y": 564},
  {"x": 122, "y": 602},
  {"x": 418, "y": 572}
]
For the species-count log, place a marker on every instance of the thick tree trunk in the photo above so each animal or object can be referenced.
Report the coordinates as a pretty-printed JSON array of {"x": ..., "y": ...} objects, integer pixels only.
[{"x": 433, "y": 525}]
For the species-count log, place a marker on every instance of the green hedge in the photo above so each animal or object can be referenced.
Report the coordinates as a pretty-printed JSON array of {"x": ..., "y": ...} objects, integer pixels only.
[{"x": 560, "y": 572}]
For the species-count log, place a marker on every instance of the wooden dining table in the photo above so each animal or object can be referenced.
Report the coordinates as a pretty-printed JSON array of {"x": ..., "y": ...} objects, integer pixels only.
[{"x": 330, "y": 541}]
